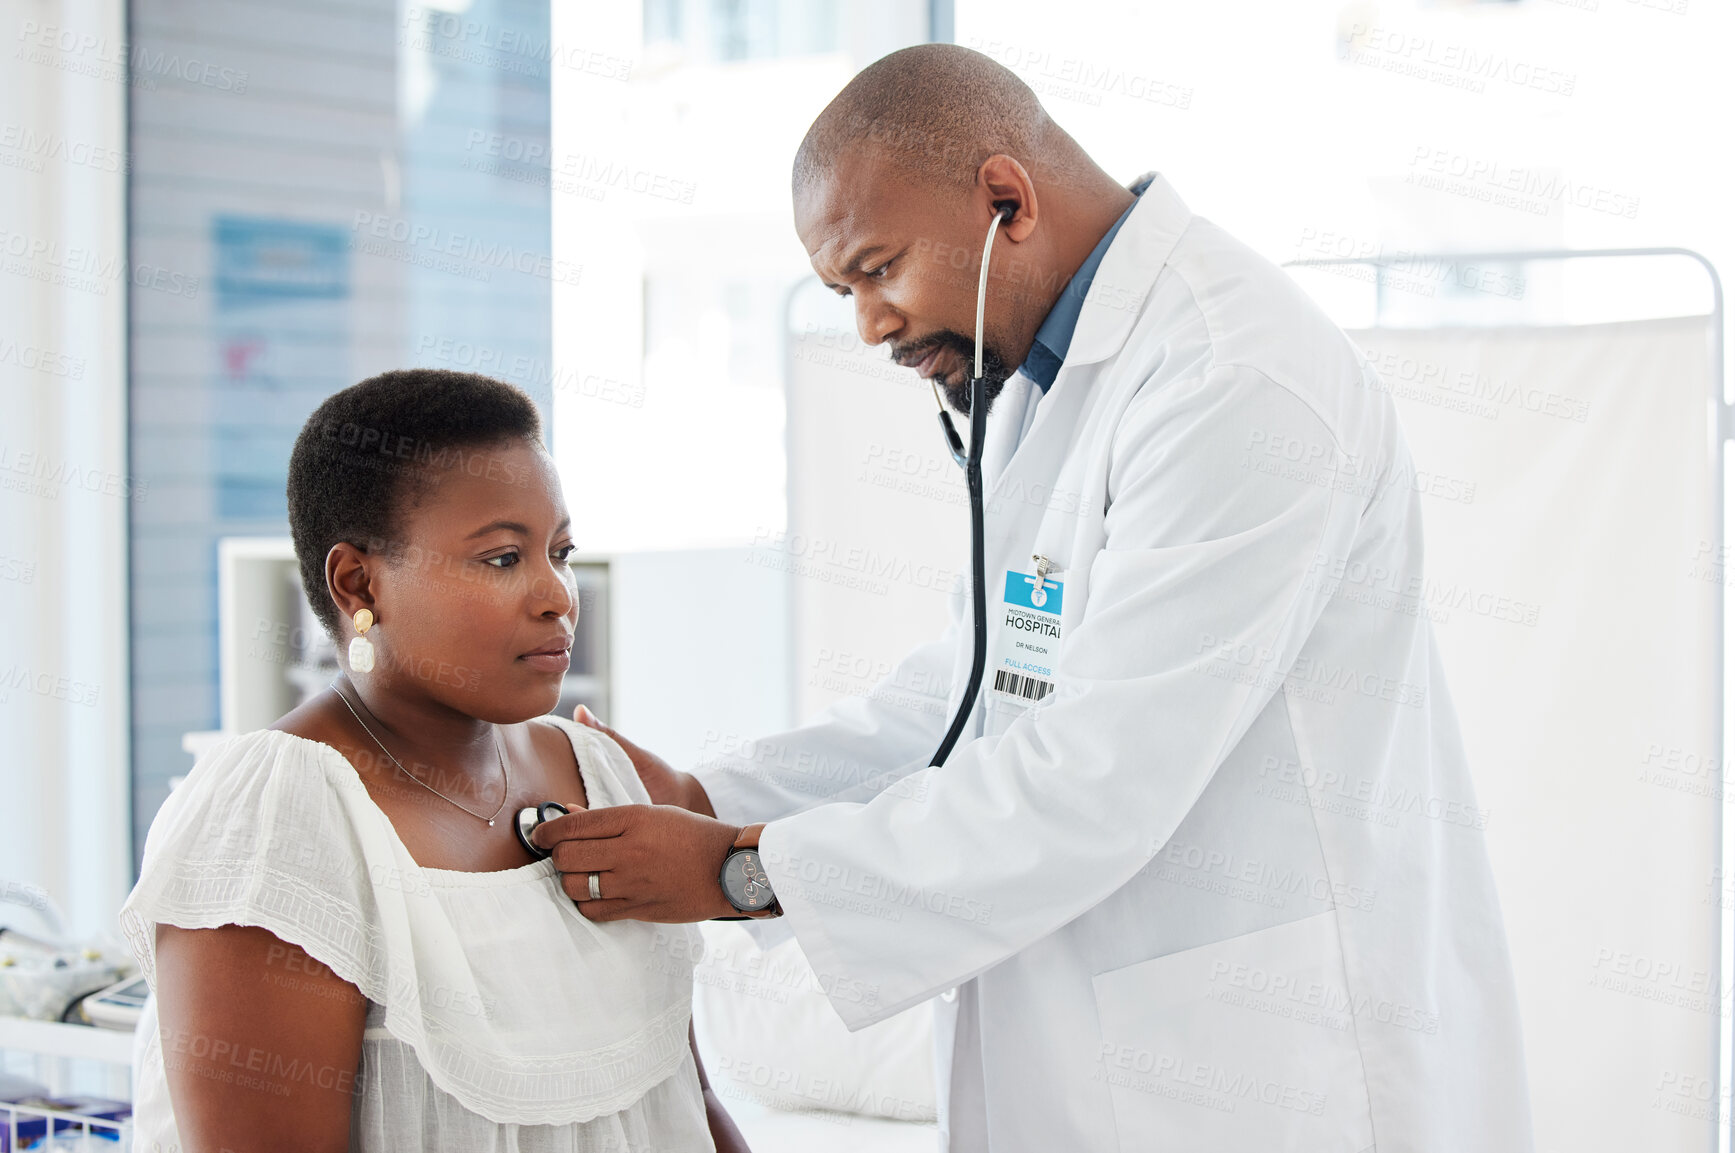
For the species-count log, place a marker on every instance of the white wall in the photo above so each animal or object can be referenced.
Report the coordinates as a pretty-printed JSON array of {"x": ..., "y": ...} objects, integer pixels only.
[
  {"x": 686, "y": 448},
  {"x": 699, "y": 648},
  {"x": 64, "y": 489},
  {"x": 1313, "y": 128},
  {"x": 879, "y": 521}
]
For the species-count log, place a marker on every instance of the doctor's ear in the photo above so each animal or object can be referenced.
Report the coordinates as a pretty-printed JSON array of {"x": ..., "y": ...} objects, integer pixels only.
[
  {"x": 1008, "y": 190},
  {"x": 1016, "y": 222}
]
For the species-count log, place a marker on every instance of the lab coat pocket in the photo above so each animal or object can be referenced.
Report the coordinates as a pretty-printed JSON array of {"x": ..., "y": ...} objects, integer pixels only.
[{"x": 1248, "y": 1043}]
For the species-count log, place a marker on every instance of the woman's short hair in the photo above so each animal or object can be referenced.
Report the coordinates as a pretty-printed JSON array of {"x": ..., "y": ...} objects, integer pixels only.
[{"x": 366, "y": 451}]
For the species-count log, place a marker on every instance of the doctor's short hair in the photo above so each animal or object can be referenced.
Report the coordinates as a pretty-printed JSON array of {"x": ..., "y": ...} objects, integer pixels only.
[
  {"x": 937, "y": 111},
  {"x": 368, "y": 452}
]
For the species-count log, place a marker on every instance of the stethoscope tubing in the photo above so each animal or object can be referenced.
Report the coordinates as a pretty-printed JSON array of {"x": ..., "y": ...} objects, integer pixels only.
[
  {"x": 978, "y": 573},
  {"x": 978, "y": 529}
]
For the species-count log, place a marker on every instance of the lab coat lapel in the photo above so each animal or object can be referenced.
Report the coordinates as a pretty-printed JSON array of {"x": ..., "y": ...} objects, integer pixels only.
[
  {"x": 1006, "y": 421},
  {"x": 1023, "y": 451},
  {"x": 1129, "y": 268},
  {"x": 1008, "y": 418}
]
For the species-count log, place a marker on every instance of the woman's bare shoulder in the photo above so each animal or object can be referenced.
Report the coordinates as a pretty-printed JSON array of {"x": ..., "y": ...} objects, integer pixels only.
[
  {"x": 314, "y": 719},
  {"x": 557, "y": 753}
]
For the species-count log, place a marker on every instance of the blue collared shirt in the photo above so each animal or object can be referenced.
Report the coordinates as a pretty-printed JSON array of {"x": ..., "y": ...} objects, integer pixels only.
[{"x": 1048, "y": 351}]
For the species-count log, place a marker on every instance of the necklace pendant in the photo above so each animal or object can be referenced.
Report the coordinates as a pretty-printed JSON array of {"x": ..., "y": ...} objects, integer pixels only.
[{"x": 490, "y": 824}]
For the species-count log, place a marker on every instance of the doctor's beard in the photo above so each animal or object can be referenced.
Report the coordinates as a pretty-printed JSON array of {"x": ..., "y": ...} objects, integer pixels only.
[{"x": 995, "y": 371}]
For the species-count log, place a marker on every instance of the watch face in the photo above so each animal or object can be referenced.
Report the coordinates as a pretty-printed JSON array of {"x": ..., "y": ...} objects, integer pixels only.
[{"x": 745, "y": 882}]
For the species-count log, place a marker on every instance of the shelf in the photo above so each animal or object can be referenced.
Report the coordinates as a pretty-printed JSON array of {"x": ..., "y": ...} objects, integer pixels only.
[{"x": 53, "y": 1039}]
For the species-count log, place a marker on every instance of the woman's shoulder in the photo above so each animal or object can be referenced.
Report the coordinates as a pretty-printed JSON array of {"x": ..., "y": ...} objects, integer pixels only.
[
  {"x": 274, "y": 745},
  {"x": 240, "y": 770},
  {"x": 264, "y": 785},
  {"x": 601, "y": 761},
  {"x": 269, "y": 829}
]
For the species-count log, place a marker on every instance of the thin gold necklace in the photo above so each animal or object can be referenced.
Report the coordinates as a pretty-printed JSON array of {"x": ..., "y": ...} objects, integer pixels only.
[{"x": 505, "y": 777}]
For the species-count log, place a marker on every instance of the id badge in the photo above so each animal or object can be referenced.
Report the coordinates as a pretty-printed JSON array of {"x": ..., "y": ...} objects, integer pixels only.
[{"x": 1027, "y": 641}]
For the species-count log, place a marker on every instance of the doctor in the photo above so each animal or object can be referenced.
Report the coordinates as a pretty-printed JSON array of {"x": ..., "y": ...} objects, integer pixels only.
[{"x": 1211, "y": 875}]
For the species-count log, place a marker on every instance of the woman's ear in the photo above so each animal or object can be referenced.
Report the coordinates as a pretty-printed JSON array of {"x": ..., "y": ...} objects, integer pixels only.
[{"x": 348, "y": 579}]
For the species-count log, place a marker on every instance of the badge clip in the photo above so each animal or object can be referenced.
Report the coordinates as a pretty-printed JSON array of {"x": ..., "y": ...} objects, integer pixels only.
[{"x": 1039, "y": 586}]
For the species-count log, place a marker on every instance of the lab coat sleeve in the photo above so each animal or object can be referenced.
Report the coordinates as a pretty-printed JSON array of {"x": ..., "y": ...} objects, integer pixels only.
[
  {"x": 853, "y": 751},
  {"x": 1196, "y": 607}
]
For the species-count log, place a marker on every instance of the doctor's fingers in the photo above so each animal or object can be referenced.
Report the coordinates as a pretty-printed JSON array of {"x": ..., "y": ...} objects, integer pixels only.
[
  {"x": 607, "y": 909},
  {"x": 584, "y": 716},
  {"x": 631, "y": 909},
  {"x": 585, "y": 824},
  {"x": 577, "y": 886},
  {"x": 580, "y": 857},
  {"x": 656, "y": 774}
]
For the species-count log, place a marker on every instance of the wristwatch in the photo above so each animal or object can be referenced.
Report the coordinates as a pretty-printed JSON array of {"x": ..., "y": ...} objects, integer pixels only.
[{"x": 744, "y": 881}]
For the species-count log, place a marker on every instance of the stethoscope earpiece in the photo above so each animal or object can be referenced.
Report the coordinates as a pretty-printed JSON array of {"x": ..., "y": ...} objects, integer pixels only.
[{"x": 529, "y": 818}]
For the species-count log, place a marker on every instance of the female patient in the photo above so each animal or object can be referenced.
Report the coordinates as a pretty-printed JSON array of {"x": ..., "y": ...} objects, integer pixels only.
[{"x": 350, "y": 948}]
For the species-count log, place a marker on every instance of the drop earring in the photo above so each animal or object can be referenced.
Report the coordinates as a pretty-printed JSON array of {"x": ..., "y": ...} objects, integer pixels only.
[{"x": 361, "y": 650}]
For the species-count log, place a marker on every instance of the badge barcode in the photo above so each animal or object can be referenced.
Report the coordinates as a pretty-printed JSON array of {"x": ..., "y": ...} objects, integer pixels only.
[{"x": 1030, "y": 688}]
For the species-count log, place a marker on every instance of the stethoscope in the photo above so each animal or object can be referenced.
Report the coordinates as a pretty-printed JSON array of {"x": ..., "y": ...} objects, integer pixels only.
[
  {"x": 531, "y": 816},
  {"x": 971, "y": 463}
]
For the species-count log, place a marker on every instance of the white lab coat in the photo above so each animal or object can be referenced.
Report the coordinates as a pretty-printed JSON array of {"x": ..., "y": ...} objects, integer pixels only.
[{"x": 1226, "y": 889}]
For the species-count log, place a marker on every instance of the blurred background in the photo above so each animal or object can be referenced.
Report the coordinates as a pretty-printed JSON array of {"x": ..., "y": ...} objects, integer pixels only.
[{"x": 214, "y": 213}]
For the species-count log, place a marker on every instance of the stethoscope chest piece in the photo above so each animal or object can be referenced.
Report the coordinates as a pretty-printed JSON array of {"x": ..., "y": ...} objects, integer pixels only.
[{"x": 530, "y": 817}]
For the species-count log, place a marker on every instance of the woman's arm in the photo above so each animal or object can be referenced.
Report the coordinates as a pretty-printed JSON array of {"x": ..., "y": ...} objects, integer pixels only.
[
  {"x": 261, "y": 1043},
  {"x": 724, "y": 1135}
]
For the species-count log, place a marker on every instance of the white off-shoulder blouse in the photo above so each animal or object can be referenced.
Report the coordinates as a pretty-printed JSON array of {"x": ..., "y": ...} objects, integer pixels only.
[{"x": 499, "y": 1019}]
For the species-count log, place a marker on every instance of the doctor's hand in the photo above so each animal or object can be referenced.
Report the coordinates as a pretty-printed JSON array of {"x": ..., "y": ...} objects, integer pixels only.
[
  {"x": 666, "y": 784},
  {"x": 653, "y": 862}
]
